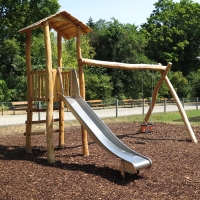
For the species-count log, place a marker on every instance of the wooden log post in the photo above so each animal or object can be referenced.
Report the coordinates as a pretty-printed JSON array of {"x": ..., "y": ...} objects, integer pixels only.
[
  {"x": 81, "y": 86},
  {"x": 181, "y": 110},
  {"x": 123, "y": 66},
  {"x": 29, "y": 91},
  {"x": 49, "y": 95},
  {"x": 155, "y": 93},
  {"x": 61, "y": 103}
]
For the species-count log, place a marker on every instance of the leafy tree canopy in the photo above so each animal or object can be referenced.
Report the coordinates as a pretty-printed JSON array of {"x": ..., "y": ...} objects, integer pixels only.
[
  {"x": 173, "y": 32},
  {"x": 114, "y": 41},
  {"x": 15, "y": 15}
]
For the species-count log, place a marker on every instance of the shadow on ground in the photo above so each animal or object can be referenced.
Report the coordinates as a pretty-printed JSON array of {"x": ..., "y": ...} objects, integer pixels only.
[{"x": 112, "y": 175}]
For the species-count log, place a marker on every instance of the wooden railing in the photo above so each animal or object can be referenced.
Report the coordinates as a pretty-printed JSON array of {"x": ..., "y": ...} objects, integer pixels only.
[{"x": 39, "y": 84}]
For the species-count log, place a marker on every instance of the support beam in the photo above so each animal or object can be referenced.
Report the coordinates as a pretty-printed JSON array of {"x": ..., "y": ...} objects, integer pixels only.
[
  {"x": 61, "y": 103},
  {"x": 181, "y": 110},
  {"x": 49, "y": 95},
  {"x": 81, "y": 86},
  {"x": 123, "y": 66},
  {"x": 155, "y": 93},
  {"x": 29, "y": 89}
]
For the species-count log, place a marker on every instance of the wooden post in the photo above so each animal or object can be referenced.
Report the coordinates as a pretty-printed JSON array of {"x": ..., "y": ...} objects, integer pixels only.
[
  {"x": 181, "y": 110},
  {"x": 29, "y": 91},
  {"x": 155, "y": 93},
  {"x": 61, "y": 103},
  {"x": 49, "y": 95},
  {"x": 81, "y": 86}
]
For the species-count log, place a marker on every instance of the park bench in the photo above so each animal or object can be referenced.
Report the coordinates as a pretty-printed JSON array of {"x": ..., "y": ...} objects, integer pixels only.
[
  {"x": 132, "y": 102},
  {"x": 169, "y": 101},
  {"x": 172, "y": 101},
  {"x": 96, "y": 103},
  {"x": 21, "y": 105}
]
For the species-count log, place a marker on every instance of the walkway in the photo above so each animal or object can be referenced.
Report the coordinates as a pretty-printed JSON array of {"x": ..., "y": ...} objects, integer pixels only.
[{"x": 19, "y": 119}]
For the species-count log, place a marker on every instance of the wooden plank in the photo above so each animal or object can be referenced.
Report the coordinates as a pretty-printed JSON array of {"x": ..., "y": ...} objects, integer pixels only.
[
  {"x": 33, "y": 86},
  {"x": 20, "y": 103},
  {"x": 43, "y": 85},
  {"x": 54, "y": 77},
  {"x": 59, "y": 31},
  {"x": 38, "y": 85}
]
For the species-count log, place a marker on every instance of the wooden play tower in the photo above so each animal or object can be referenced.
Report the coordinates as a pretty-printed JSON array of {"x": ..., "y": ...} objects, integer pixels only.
[{"x": 44, "y": 85}]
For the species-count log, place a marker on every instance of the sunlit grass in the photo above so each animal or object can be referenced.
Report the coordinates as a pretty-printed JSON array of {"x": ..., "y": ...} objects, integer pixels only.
[{"x": 168, "y": 117}]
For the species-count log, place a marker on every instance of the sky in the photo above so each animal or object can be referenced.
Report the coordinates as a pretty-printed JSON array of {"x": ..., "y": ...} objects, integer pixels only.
[{"x": 125, "y": 11}]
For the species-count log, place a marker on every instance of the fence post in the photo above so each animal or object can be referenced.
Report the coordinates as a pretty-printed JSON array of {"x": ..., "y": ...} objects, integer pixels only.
[
  {"x": 39, "y": 107},
  {"x": 183, "y": 102},
  {"x": 116, "y": 103},
  {"x": 165, "y": 105},
  {"x": 197, "y": 103},
  {"x": 2, "y": 109},
  {"x": 143, "y": 106}
]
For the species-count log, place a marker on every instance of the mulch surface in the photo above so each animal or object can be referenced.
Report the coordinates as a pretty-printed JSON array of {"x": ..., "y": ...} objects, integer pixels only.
[{"x": 174, "y": 173}]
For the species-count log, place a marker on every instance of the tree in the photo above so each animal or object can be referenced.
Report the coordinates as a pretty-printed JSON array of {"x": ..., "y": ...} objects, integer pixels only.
[
  {"x": 4, "y": 92},
  {"x": 114, "y": 41},
  {"x": 15, "y": 15},
  {"x": 194, "y": 83},
  {"x": 69, "y": 51},
  {"x": 180, "y": 83},
  {"x": 173, "y": 33},
  {"x": 98, "y": 87}
]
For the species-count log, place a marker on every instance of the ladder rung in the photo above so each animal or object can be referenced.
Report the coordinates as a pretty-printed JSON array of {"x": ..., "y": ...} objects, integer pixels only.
[
  {"x": 42, "y": 109},
  {"x": 41, "y": 132},
  {"x": 42, "y": 121}
]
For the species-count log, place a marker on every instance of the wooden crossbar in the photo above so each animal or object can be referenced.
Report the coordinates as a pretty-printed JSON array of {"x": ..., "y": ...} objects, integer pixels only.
[{"x": 42, "y": 121}]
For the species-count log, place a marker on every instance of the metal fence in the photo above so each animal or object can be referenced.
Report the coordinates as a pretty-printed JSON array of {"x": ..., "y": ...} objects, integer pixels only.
[{"x": 110, "y": 108}]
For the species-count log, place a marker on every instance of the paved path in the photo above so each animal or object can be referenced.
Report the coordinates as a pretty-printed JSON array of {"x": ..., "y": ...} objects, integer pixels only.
[{"x": 18, "y": 119}]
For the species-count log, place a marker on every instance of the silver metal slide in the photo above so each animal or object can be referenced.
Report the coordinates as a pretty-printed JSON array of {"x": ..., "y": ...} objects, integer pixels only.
[{"x": 131, "y": 161}]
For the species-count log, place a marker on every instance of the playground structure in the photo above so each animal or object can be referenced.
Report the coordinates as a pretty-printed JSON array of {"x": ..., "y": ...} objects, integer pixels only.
[{"x": 54, "y": 85}]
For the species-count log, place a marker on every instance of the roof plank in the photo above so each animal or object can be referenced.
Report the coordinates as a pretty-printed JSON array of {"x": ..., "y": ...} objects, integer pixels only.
[{"x": 63, "y": 23}]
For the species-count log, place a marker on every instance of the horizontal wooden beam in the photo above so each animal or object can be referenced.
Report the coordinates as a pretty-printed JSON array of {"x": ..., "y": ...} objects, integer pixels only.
[
  {"x": 42, "y": 109},
  {"x": 123, "y": 66},
  {"x": 42, "y": 121},
  {"x": 42, "y": 132}
]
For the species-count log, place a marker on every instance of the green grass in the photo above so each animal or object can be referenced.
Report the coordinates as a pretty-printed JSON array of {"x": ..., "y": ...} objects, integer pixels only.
[{"x": 168, "y": 117}]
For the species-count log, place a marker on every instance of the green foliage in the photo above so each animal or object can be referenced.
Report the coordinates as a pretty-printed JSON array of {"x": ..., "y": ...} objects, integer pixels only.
[
  {"x": 194, "y": 83},
  {"x": 38, "y": 59},
  {"x": 173, "y": 33},
  {"x": 4, "y": 92},
  {"x": 69, "y": 51},
  {"x": 180, "y": 84},
  {"x": 15, "y": 15},
  {"x": 97, "y": 87},
  {"x": 118, "y": 42}
]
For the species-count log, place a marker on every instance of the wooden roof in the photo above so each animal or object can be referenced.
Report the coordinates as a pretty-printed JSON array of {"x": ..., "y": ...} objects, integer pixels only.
[{"x": 63, "y": 23}]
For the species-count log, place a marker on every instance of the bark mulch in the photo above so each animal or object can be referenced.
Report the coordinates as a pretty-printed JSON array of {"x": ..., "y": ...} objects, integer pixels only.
[{"x": 174, "y": 173}]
